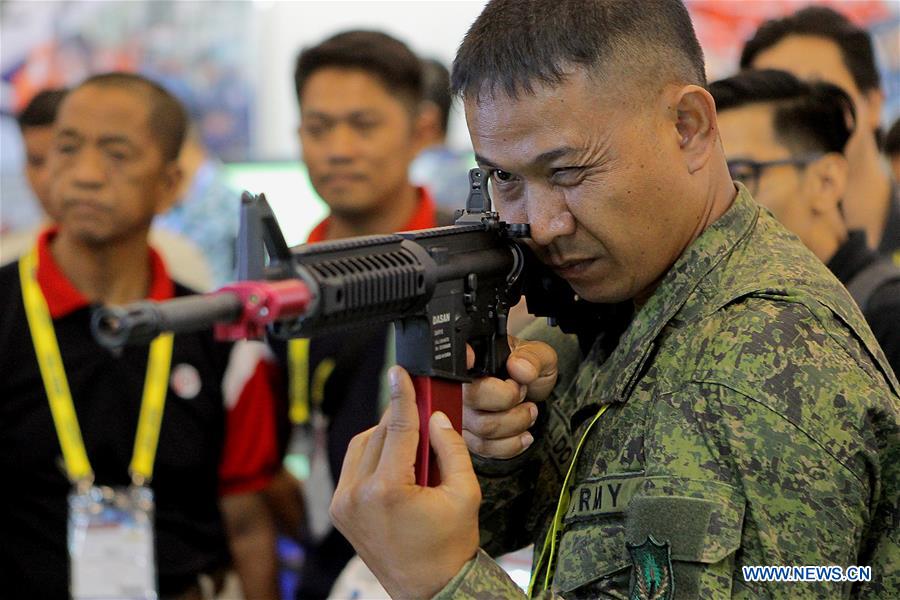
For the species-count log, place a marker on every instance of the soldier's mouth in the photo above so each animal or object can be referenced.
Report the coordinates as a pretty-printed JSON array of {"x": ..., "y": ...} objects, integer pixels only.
[{"x": 573, "y": 269}]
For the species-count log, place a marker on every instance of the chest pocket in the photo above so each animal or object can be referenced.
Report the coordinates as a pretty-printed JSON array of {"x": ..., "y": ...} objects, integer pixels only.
[{"x": 700, "y": 521}]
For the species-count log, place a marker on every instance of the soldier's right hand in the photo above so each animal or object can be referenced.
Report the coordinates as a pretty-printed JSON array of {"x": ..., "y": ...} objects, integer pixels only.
[{"x": 498, "y": 413}]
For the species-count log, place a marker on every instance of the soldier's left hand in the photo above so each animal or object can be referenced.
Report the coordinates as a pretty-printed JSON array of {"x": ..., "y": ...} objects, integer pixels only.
[{"x": 413, "y": 538}]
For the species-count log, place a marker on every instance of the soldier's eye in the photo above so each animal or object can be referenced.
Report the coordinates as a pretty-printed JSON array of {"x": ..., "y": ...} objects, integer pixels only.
[{"x": 567, "y": 175}]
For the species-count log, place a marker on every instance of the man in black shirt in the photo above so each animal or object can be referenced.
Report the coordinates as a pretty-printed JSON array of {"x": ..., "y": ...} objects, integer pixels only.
[
  {"x": 112, "y": 168},
  {"x": 359, "y": 95},
  {"x": 784, "y": 139}
]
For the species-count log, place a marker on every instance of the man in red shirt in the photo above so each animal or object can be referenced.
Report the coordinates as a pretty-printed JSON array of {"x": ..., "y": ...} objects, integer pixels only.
[
  {"x": 188, "y": 423},
  {"x": 360, "y": 98}
]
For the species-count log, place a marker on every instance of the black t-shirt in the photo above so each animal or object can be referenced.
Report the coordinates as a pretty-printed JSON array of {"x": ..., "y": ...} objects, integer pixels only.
[
  {"x": 890, "y": 237},
  {"x": 882, "y": 311},
  {"x": 350, "y": 399},
  {"x": 106, "y": 390},
  {"x": 350, "y": 403}
]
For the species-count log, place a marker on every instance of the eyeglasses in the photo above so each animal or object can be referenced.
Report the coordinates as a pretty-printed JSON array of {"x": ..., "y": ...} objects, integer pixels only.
[{"x": 749, "y": 172}]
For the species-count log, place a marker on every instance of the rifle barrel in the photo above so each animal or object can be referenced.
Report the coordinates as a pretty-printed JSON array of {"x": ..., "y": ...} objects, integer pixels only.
[{"x": 141, "y": 322}]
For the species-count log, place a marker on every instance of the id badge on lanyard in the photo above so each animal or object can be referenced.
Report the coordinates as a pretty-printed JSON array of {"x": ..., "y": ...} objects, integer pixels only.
[
  {"x": 110, "y": 530},
  {"x": 111, "y": 544}
]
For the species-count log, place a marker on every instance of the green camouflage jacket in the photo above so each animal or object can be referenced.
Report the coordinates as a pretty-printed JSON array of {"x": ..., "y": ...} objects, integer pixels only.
[{"x": 752, "y": 420}]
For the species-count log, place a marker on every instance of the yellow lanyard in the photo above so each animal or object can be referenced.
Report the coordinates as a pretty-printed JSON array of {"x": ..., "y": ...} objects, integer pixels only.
[
  {"x": 53, "y": 373},
  {"x": 299, "y": 388},
  {"x": 298, "y": 379},
  {"x": 553, "y": 535}
]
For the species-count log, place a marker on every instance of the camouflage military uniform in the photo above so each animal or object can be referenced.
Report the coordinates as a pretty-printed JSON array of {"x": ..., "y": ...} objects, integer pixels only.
[{"x": 752, "y": 420}]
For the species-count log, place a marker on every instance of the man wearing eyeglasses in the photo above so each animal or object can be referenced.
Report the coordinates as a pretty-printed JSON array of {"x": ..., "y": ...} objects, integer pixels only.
[
  {"x": 785, "y": 140},
  {"x": 818, "y": 42}
]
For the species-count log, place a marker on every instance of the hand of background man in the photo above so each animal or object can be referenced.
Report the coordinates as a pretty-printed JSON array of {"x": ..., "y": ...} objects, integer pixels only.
[
  {"x": 413, "y": 538},
  {"x": 496, "y": 415}
]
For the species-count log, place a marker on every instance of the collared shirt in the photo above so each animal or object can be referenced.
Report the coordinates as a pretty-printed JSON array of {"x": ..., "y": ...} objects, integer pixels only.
[
  {"x": 752, "y": 420},
  {"x": 217, "y": 435},
  {"x": 423, "y": 217},
  {"x": 63, "y": 298}
]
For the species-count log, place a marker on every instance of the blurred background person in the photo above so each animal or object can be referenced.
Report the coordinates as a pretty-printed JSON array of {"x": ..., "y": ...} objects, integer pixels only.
[
  {"x": 361, "y": 126},
  {"x": 181, "y": 256},
  {"x": 443, "y": 170},
  {"x": 208, "y": 209},
  {"x": 36, "y": 127},
  {"x": 112, "y": 167},
  {"x": 785, "y": 140},
  {"x": 820, "y": 43}
]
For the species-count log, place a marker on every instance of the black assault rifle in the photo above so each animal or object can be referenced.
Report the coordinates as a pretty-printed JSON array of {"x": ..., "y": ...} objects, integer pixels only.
[{"x": 443, "y": 287}]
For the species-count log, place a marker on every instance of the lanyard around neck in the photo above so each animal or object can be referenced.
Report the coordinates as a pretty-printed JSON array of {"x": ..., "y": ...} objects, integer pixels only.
[
  {"x": 303, "y": 390},
  {"x": 53, "y": 373},
  {"x": 552, "y": 539}
]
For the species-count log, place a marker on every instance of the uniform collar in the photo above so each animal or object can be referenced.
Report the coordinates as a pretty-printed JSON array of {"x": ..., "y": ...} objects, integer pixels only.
[
  {"x": 623, "y": 368},
  {"x": 422, "y": 218},
  {"x": 63, "y": 297}
]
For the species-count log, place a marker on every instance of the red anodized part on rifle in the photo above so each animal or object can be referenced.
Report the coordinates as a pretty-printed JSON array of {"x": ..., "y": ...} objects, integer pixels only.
[{"x": 263, "y": 302}]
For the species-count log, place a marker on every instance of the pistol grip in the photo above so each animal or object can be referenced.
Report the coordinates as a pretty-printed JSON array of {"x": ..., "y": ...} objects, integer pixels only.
[{"x": 433, "y": 394}]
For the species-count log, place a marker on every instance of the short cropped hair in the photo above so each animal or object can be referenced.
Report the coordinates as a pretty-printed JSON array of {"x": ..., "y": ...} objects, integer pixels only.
[
  {"x": 892, "y": 140},
  {"x": 384, "y": 57},
  {"x": 854, "y": 42},
  {"x": 808, "y": 116},
  {"x": 41, "y": 109},
  {"x": 436, "y": 88},
  {"x": 515, "y": 44},
  {"x": 168, "y": 119}
]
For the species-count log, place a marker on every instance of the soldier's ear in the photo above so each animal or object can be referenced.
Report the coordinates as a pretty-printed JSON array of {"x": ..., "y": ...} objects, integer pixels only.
[{"x": 695, "y": 126}]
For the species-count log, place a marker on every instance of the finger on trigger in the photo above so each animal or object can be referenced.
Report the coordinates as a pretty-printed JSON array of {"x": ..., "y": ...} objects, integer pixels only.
[
  {"x": 523, "y": 365},
  {"x": 492, "y": 394},
  {"x": 536, "y": 365}
]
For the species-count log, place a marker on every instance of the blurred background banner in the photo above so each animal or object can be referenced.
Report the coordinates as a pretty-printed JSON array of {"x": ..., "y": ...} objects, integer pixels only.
[
  {"x": 232, "y": 63},
  {"x": 198, "y": 50},
  {"x": 723, "y": 25}
]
